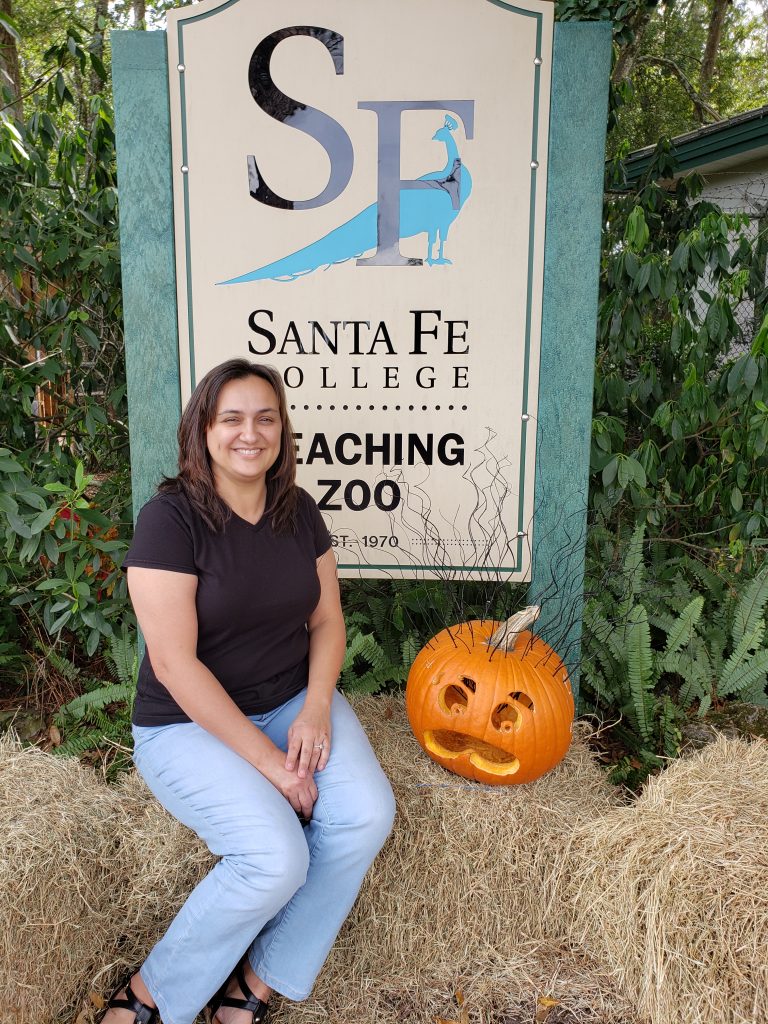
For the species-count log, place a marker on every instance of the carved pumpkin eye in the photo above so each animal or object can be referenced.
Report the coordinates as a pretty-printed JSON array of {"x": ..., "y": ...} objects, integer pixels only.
[
  {"x": 522, "y": 698},
  {"x": 453, "y": 699},
  {"x": 504, "y": 718}
]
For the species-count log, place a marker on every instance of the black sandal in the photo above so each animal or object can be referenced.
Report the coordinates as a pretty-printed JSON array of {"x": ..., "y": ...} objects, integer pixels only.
[
  {"x": 257, "y": 1007},
  {"x": 143, "y": 1014}
]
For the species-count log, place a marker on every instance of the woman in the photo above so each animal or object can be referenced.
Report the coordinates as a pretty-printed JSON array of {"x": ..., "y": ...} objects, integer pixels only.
[{"x": 238, "y": 728}]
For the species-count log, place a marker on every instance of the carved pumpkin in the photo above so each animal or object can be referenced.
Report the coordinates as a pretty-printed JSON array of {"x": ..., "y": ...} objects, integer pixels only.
[{"x": 490, "y": 701}]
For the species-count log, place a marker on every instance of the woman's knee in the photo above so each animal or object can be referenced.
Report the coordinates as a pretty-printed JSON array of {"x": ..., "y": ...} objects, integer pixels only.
[
  {"x": 374, "y": 814},
  {"x": 279, "y": 870}
]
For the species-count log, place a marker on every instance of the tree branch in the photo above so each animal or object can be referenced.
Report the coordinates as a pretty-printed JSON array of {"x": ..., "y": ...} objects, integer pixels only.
[{"x": 701, "y": 106}]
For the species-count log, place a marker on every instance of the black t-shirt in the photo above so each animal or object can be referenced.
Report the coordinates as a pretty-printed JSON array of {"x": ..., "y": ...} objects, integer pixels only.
[{"x": 256, "y": 590}]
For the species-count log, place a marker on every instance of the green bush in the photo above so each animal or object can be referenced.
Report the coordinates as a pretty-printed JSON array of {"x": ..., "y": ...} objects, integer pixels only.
[
  {"x": 681, "y": 406},
  {"x": 63, "y": 554},
  {"x": 99, "y": 719},
  {"x": 64, "y": 485},
  {"x": 666, "y": 636}
]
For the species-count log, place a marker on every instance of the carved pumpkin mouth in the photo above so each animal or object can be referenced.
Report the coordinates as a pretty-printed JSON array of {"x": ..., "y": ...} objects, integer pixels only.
[{"x": 450, "y": 745}]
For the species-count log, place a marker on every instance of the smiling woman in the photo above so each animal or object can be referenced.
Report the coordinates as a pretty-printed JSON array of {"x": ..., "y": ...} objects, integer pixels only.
[
  {"x": 243, "y": 443},
  {"x": 238, "y": 728}
]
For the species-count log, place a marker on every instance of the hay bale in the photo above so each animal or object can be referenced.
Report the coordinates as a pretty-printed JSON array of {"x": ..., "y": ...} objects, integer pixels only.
[
  {"x": 90, "y": 876},
  {"x": 460, "y": 896},
  {"x": 57, "y": 876},
  {"x": 658, "y": 908},
  {"x": 670, "y": 893},
  {"x": 160, "y": 860}
]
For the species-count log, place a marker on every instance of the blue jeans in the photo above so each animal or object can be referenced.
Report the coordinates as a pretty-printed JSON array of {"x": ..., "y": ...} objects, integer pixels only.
[{"x": 280, "y": 891}]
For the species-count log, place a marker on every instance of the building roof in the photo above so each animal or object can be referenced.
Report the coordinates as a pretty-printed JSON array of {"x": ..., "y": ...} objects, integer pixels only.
[{"x": 720, "y": 146}]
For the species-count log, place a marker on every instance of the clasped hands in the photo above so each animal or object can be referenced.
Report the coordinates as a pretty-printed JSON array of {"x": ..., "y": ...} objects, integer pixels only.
[{"x": 309, "y": 747}]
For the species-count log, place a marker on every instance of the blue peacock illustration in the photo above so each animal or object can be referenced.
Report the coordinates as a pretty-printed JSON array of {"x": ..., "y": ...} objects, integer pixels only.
[{"x": 432, "y": 210}]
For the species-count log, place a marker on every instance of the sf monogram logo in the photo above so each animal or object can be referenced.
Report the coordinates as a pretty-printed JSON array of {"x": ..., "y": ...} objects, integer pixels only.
[{"x": 404, "y": 207}]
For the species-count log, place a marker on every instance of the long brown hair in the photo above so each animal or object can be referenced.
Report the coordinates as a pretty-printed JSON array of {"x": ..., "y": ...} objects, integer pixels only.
[{"x": 195, "y": 478}]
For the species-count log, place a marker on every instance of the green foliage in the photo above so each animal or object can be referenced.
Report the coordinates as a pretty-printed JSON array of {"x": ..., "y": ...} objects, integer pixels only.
[
  {"x": 658, "y": 57},
  {"x": 621, "y": 668},
  {"x": 61, "y": 553},
  {"x": 654, "y": 101},
  {"x": 389, "y": 622},
  {"x": 64, "y": 489},
  {"x": 366, "y": 668},
  {"x": 681, "y": 414},
  {"x": 384, "y": 633},
  {"x": 665, "y": 639},
  {"x": 622, "y": 14},
  {"x": 99, "y": 719}
]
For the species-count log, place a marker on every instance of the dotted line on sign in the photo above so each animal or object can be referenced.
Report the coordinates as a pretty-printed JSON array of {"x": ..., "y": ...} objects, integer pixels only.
[
  {"x": 470, "y": 543},
  {"x": 384, "y": 408}
]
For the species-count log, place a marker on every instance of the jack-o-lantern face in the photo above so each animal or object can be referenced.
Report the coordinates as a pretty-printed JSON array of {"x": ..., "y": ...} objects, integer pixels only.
[{"x": 486, "y": 713}]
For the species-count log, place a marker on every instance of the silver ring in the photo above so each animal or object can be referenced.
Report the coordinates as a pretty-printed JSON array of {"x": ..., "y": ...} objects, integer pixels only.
[{"x": 320, "y": 746}]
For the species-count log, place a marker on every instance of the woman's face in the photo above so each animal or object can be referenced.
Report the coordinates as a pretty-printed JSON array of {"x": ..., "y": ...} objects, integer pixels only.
[{"x": 244, "y": 439}]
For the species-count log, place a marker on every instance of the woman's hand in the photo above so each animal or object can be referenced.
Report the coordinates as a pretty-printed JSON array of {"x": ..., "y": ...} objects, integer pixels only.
[
  {"x": 300, "y": 793},
  {"x": 309, "y": 741},
  {"x": 309, "y": 737}
]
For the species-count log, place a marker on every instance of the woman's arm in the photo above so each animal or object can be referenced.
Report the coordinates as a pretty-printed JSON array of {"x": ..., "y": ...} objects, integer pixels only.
[
  {"x": 165, "y": 607},
  {"x": 327, "y": 639}
]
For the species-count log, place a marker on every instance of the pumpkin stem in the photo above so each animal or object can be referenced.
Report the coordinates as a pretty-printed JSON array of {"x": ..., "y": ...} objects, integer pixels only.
[{"x": 508, "y": 632}]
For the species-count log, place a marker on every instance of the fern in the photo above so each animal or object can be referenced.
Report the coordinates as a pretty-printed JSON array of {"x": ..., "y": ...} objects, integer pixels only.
[
  {"x": 717, "y": 642},
  {"x": 681, "y": 631},
  {"x": 101, "y": 715},
  {"x": 409, "y": 649},
  {"x": 663, "y": 621},
  {"x": 640, "y": 670},
  {"x": 64, "y": 668},
  {"x": 750, "y": 611},
  {"x": 712, "y": 583},
  {"x": 80, "y": 744},
  {"x": 361, "y": 644},
  {"x": 610, "y": 685},
  {"x": 123, "y": 657},
  {"x": 92, "y": 701},
  {"x": 695, "y": 686},
  {"x": 744, "y": 647},
  {"x": 607, "y": 633},
  {"x": 679, "y": 594},
  {"x": 366, "y": 667},
  {"x": 591, "y": 679},
  {"x": 669, "y": 734},
  {"x": 666, "y": 636},
  {"x": 745, "y": 675},
  {"x": 634, "y": 568}
]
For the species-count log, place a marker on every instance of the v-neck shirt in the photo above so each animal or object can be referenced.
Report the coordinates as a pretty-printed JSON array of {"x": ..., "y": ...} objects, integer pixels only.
[{"x": 256, "y": 590}]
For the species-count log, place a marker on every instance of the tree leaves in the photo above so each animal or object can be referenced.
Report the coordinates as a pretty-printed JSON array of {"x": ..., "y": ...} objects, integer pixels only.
[
  {"x": 63, "y": 402},
  {"x": 693, "y": 441}
]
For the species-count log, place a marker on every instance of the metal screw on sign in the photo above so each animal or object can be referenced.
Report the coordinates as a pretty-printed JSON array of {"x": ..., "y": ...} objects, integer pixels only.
[
  {"x": 537, "y": 61},
  {"x": 184, "y": 169},
  {"x": 181, "y": 68},
  {"x": 525, "y": 417},
  {"x": 534, "y": 164}
]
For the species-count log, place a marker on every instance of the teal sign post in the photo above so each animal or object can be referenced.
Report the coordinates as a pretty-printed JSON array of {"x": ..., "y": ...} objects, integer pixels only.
[{"x": 423, "y": 257}]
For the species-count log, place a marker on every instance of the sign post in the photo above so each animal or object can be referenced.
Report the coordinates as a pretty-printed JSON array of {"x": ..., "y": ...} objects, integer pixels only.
[{"x": 359, "y": 196}]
